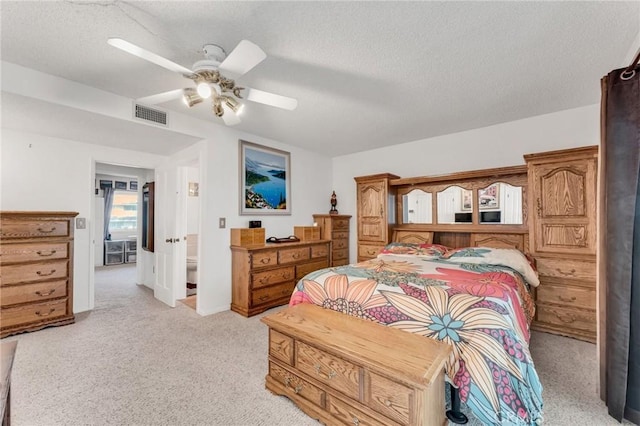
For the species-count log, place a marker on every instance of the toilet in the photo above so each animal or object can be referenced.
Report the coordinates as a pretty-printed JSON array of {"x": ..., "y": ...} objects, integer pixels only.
[{"x": 192, "y": 260}]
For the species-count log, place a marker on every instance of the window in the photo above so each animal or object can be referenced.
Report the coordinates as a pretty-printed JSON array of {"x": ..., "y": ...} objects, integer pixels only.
[{"x": 124, "y": 214}]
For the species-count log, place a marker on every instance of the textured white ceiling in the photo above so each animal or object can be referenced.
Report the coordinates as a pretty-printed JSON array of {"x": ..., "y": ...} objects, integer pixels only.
[{"x": 366, "y": 74}]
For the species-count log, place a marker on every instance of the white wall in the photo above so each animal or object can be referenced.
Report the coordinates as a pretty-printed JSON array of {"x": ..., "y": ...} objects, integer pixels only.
[
  {"x": 495, "y": 146},
  {"x": 45, "y": 173}
]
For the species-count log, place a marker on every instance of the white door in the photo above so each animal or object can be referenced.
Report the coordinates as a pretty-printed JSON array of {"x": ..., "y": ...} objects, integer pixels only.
[{"x": 170, "y": 222}]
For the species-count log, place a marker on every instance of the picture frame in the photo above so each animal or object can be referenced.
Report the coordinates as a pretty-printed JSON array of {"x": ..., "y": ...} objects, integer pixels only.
[
  {"x": 467, "y": 200},
  {"x": 489, "y": 197},
  {"x": 121, "y": 185},
  {"x": 106, "y": 184},
  {"x": 265, "y": 180},
  {"x": 133, "y": 185}
]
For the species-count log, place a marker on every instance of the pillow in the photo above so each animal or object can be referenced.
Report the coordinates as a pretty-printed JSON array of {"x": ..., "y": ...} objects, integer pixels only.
[
  {"x": 432, "y": 251},
  {"x": 508, "y": 257}
]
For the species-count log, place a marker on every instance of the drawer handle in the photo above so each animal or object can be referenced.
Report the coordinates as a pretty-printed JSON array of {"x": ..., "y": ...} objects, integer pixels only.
[
  {"x": 356, "y": 422},
  {"x": 40, "y": 314},
  {"x": 329, "y": 376},
  {"x": 297, "y": 389},
  {"x": 42, "y": 274},
  {"x": 263, "y": 298},
  {"x": 566, "y": 318},
  {"x": 265, "y": 260},
  {"x": 53, "y": 228},
  {"x": 387, "y": 403},
  {"x": 296, "y": 255},
  {"x": 567, "y": 299},
  {"x": 264, "y": 280},
  {"x": 371, "y": 251},
  {"x": 39, "y": 293},
  {"x": 51, "y": 253},
  {"x": 571, "y": 273}
]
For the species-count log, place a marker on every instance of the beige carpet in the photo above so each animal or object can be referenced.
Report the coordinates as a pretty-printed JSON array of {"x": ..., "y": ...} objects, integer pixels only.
[{"x": 134, "y": 361}]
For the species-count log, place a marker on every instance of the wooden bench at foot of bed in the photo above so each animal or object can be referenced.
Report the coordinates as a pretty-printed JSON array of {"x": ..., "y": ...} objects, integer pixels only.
[{"x": 346, "y": 370}]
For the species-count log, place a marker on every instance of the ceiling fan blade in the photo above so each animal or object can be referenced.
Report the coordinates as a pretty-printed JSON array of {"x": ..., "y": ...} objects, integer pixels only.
[
  {"x": 230, "y": 118},
  {"x": 245, "y": 56},
  {"x": 271, "y": 99},
  {"x": 149, "y": 56},
  {"x": 161, "y": 97}
]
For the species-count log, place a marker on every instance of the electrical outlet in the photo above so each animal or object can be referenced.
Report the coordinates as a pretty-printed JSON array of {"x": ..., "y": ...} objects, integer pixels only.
[
  {"x": 222, "y": 222},
  {"x": 81, "y": 223}
]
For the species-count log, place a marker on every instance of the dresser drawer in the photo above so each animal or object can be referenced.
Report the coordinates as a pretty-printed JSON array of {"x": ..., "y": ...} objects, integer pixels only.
[
  {"x": 339, "y": 374},
  {"x": 14, "y": 294},
  {"x": 12, "y": 253},
  {"x": 12, "y": 274},
  {"x": 340, "y": 244},
  {"x": 349, "y": 415},
  {"x": 340, "y": 262},
  {"x": 281, "y": 346},
  {"x": 319, "y": 251},
  {"x": 369, "y": 251},
  {"x": 566, "y": 317},
  {"x": 298, "y": 386},
  {"x": 293, "y": 255},
  {"x": 273, "y": 276},
  {"x": 270, "y": 294},
  {"x": 340, "y": 235},
  {"x": 264, "y": 258},
  {"x": 32, "y": 313},
  {"x": 340, "y": 224},
  {"x": 340, "y": 255},
  {"x": 34, "y": 228},
  {"x": 303, "y": 270},
  {"x": 390, "y": 398},
  {"x": 567, "y": 268},
  {"x": 579, "y": 297}
]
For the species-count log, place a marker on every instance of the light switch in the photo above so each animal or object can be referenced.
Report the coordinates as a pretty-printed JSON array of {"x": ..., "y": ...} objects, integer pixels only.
[
  {"x": 222, "y": 222},
  {"x": 81, "y": 223}
]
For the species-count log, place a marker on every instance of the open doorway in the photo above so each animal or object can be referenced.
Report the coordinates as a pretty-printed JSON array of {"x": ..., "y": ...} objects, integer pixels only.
[{"x": 192, "y": 173}]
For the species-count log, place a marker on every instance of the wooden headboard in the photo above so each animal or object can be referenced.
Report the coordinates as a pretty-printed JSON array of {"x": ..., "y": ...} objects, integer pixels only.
[{"x": 471, "y": 234}]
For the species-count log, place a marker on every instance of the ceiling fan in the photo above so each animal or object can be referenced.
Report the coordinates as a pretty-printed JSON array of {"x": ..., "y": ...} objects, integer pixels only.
[{"x": 207, "y": 75}]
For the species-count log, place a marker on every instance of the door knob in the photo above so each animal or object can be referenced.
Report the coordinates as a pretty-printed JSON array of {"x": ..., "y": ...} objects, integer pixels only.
[{"x": 168, "y": 240}]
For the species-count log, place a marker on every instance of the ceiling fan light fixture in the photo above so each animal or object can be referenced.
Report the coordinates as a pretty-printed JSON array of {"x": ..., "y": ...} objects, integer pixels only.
[
  {"x": 217, "y": 107},
  {"x": 204, "y": 90},
  {"x": 233, "y": 104},
  {"x": 190, "y": 97}
]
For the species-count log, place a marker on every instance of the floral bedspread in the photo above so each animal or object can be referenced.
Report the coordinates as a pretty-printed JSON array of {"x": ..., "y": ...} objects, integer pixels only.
[{"x": 475, "y": 299}]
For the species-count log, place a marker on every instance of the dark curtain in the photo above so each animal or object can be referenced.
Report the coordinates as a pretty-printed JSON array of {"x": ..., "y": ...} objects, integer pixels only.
[
  {"x": 621, "y": 209},
  {"x": 108, "y": 205}
]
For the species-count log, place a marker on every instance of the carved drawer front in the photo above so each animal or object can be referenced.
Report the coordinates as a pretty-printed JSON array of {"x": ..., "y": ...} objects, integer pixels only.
[
  {"x": 566, "y": 317},
  {"x": 340, "y": 254},
  {"x": 298, "y": 386},
  {"x": 340, "y": 262},
  {"x": 32, "y": 313},
  {"x": 281, "y": 346},
  {"x": 12, "y": 295},
  {"x": 390, "y": 398},
  {"x": 349, "y": 415},
  {"x": 269, "y": 294},
  {"x": 34, "y": 228},
  {"x": 341, "y": 244},
  {"x": 341, "y": 224},
  {"x": 10, "y": 253},
  {"x": 303, "y": 270},
  {"x": 339, "y": 374},
  {"x": 369, "y": 251},
  {"x": 340, "y": 235},
  {"x": 319, "y": 251},
  {"x": 264, "y": 258},
  {"x": 12, "y": 274},
  {"x": 293, "y": 255},
  {"x": 272, "y": 276},
  {"x": 567, "y": 268},
  {"x": 579, "y": 297}
]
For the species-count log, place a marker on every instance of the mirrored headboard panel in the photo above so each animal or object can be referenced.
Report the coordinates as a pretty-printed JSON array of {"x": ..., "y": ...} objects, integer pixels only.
[{"x": 465, "y": 201}]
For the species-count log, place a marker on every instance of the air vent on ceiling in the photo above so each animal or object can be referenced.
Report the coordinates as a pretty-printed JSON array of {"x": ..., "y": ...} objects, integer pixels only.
[{"x": 152, "y": 115}]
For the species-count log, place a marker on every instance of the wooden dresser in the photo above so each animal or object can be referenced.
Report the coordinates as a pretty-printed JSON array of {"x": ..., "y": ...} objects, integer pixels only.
[
  {"x": 376, "y": 208},
  {"x": 355, "y": 372},
  {"x": 264, "y": 276},
  {"x": 562, "y": 233},
  {"x": 335, "y": 227},
  {"x": 36, "y": 270}
]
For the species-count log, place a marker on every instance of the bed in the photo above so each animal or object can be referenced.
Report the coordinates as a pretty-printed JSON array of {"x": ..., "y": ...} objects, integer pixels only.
[{"x": 476, "y": 299}]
